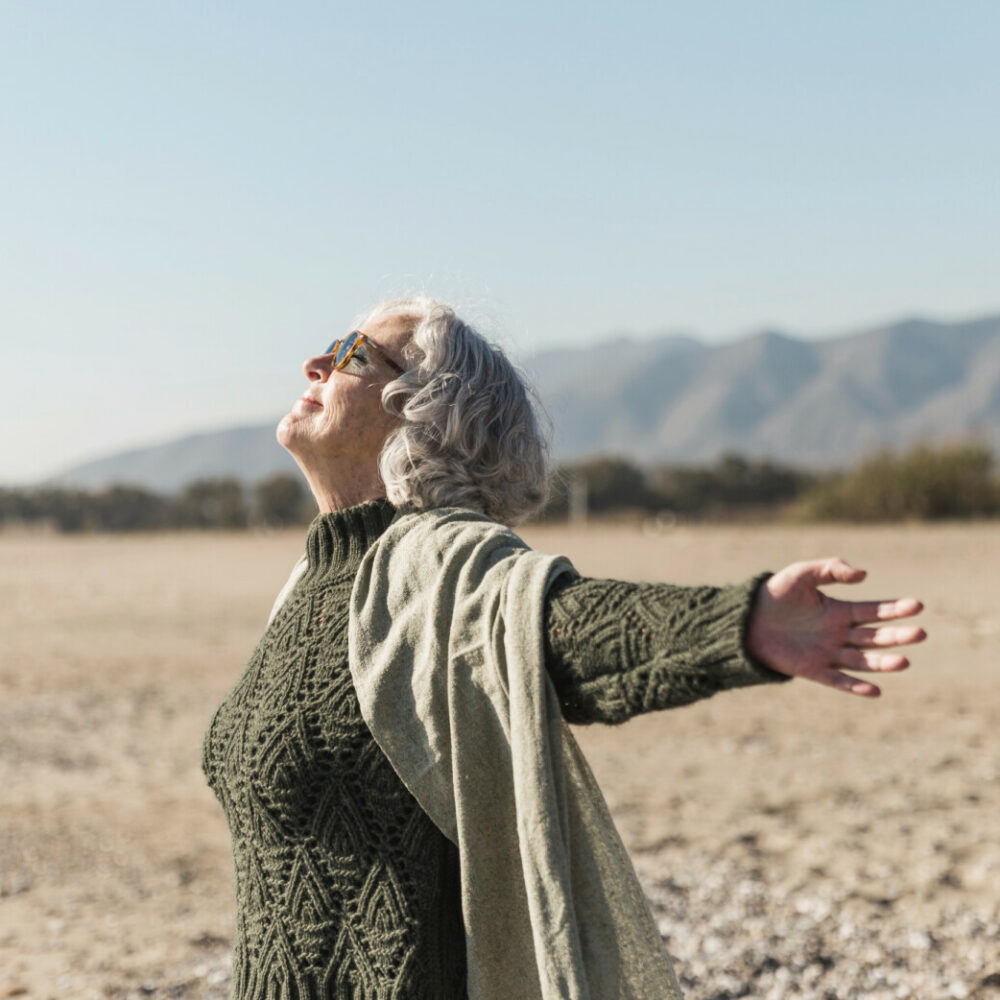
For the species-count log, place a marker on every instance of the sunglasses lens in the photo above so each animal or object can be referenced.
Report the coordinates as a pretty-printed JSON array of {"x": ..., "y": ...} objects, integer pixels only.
[{"x": 344, "y": 350}]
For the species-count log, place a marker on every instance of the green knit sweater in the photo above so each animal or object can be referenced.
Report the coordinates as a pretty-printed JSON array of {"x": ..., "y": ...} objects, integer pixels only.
[{"x": 344, "y": 888}]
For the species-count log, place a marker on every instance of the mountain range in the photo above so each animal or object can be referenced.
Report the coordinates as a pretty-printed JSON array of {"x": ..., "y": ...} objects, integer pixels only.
[{"x": 673, "y": 398}]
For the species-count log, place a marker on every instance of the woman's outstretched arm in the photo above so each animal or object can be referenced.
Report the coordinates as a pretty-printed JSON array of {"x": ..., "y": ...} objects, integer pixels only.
[{"x": 615, "y": 649}]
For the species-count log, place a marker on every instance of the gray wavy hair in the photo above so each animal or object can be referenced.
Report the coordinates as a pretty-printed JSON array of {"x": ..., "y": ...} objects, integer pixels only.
[{"x": 470, "y": 434}]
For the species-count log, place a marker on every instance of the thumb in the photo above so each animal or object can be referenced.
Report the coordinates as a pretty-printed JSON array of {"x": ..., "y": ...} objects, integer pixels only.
[{"x": 833, "y": 570}]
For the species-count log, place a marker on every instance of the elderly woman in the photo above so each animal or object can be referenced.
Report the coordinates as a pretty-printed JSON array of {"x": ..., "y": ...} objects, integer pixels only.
[{"x": 410, "y": 816}]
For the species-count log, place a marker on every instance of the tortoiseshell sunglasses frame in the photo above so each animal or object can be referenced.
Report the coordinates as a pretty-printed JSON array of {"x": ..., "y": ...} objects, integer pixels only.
[{"x": 349, "y": 346}]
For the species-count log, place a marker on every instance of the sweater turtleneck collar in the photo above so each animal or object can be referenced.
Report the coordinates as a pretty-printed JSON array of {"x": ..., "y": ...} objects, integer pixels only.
[{"x": 337, "y": 541}]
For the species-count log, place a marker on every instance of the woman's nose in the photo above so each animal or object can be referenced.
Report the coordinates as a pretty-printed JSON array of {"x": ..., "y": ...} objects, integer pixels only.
[{"x": 318, "y": 368}]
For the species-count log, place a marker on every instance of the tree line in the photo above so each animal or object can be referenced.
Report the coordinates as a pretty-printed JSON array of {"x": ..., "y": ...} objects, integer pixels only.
[
  {"x": 222, "y": 503},
  {"x": 923, "y": 483}
]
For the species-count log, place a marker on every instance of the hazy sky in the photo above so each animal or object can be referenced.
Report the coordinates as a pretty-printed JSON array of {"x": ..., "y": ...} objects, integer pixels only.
[{"x": 194, "y": 196}]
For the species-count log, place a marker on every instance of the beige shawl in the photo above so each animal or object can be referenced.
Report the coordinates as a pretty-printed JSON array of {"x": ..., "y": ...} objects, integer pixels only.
[{"x": 446, "y": 652}]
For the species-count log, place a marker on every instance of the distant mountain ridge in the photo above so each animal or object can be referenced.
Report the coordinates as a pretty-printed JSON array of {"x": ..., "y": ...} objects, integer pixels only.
[
  {"x": 814, "y": 403},
  {"x": 249, "y": 453},
  {"x": 819, "y": 404}
]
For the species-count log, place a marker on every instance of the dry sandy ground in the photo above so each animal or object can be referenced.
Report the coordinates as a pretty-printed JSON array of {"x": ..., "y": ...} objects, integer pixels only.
[{"x": 795, "y": 842}]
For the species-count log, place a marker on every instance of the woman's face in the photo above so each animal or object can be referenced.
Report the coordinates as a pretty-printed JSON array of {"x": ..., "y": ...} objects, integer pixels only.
[{"x": 339, "y": 417}]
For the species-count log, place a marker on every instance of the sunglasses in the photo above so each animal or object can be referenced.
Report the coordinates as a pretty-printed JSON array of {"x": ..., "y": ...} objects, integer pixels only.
[{"x": 343, "y": 350}]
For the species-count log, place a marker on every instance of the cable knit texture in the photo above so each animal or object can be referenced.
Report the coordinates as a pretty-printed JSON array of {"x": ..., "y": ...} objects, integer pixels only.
[
  {"x": 344, "y": 888},
  {"x": 616, "y": 649}
]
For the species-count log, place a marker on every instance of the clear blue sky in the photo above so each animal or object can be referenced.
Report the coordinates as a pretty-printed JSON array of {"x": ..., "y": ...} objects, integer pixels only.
[{"x": 193, "y": 196}]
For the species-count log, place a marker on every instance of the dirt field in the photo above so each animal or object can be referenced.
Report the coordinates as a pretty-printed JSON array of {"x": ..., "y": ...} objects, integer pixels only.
[{"x": 795, "y": 842}]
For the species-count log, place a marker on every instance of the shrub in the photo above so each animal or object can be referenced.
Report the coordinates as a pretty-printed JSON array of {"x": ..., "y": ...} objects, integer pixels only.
[
  {"x": 282, "y": 501},
  {"x": 925, "y": 483}
]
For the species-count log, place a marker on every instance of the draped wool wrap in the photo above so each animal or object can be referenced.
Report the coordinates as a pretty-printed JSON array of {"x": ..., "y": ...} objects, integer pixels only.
[{"x": 446, "y": 653}]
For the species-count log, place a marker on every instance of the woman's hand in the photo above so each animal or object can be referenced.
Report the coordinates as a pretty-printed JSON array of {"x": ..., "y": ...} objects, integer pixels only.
[{"x": 797, "y": 630}]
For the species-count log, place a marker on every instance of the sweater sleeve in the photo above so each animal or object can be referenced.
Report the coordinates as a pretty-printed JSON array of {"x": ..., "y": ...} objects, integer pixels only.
[{"x": 616, "y": 649}]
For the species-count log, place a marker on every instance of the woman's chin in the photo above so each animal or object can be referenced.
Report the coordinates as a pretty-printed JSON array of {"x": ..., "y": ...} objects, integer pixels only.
[{"x": 288, "y": 431}]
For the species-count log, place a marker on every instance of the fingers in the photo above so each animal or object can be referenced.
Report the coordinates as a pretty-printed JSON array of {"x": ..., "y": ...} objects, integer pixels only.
[
  {"x": 856, "y": 659},
  {"x": 843, "y": 682},
  {"x": 869, "y": 638},
  {"x": 883, "y": 611},
  {"x": 863, "y": 689},
  {"x": 849, "y": 658}
]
